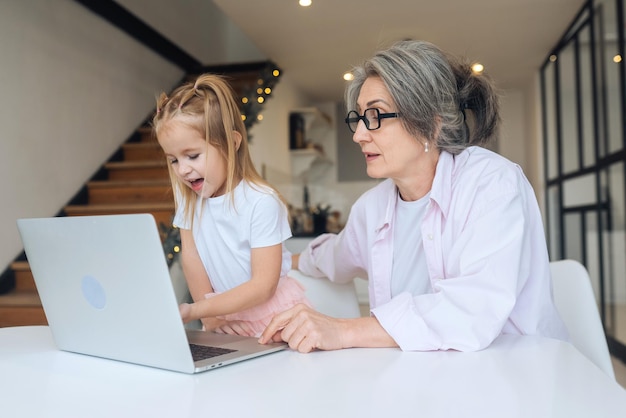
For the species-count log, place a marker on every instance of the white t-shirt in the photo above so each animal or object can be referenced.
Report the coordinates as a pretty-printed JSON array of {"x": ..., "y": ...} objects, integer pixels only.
[
  {"x": 225, "y": 231},
  {"x": 409, "y": 271}
]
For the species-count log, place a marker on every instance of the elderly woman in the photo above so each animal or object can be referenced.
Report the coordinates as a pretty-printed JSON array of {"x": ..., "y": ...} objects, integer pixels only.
[{"x": 452, "y": 242}]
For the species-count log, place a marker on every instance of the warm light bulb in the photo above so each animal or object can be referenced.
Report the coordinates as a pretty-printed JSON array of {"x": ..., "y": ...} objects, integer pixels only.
[
  {"x": 275, "y": 73},
  {"x": 477, "y": 68},
  {"x": 552, "y": 58},
  {"x": 176, "y": 249},
  {"x": 260, "y": 99},
  {"x": 259, "y": 90},
  {"x": 268, "y": 90},
  {"x": 244, "y": 100},
  {"x": 243, "y": 117},
  {"x": 617, "y": 58},
  {"x": 260, "y": 117},
  {"x": 348, "y": 76},
  {"x": 304, "y": 3}
]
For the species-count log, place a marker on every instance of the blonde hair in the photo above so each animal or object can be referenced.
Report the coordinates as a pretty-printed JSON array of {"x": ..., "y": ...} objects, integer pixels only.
[{"x": 208, "y": 105}]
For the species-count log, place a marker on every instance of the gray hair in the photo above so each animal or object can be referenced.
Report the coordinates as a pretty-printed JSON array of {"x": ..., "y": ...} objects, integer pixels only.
[{"x": 433, "y": 93}]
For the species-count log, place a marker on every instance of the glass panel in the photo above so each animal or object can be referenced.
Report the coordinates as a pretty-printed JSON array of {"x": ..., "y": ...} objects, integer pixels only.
[
  {"x": 592, "y": 255},
  {"x": 613, "y": 91},
  {"x": 550, "y": 119},
  {"x": 573, "y": 236},
  {"x": 599, "y": 81},
  {"x": 554, "y": 229},
  {"x": 607, "y": 261},
  {"x": 579, "y": 191},
  {"x": 569, "y": 115},
  {"x": 616, "y": 238},
  {"x": 586, "y": 97}
]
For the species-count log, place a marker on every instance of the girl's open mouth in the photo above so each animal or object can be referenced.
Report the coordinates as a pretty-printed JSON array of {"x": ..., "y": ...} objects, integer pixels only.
[{"x": 196, "y": 185}]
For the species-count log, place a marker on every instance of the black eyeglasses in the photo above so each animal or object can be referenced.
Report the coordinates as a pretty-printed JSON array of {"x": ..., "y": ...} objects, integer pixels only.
[{"x": 371, "y": 118}]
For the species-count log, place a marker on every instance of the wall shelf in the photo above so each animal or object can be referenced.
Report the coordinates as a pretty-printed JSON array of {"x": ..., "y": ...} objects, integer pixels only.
[{"x": 308, "y": 163}]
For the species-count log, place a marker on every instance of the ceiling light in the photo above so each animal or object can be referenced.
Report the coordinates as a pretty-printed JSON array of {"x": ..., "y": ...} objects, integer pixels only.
[
  {"x": 477, "y": 68},
  {"x": 348, "y": 76},
  {"x": 304, "y": 3}
]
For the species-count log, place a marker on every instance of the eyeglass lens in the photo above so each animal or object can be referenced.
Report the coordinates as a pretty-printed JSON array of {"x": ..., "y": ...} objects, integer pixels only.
[{"x": 371, "y": 118}]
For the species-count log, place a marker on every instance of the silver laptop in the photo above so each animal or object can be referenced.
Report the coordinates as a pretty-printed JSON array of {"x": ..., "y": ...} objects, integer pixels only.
[{"x": 106, "y": 290}]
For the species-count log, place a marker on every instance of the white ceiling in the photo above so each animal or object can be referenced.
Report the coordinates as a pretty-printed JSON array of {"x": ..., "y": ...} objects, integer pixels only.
[{"x": 316, "y": 45}]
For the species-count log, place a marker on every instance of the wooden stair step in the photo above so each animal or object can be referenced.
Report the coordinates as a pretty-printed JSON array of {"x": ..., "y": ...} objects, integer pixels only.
[
  {"x": 146, "y": 135},
  {"x": 129, "y": 191},
  {"x": 18, "y": 308},
  {"x": 24, "y": 280},
  {"x": 134, "y": 151},
  {"x": 137, "y": 170},
  {"x": 162, "y": 212}
]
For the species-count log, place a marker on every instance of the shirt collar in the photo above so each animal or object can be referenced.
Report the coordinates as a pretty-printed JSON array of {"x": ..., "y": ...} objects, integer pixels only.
[
  {"x": 392, "y": 194},
  {"x": 440, "y": 191},
  {"x": 445, "y": 174}
]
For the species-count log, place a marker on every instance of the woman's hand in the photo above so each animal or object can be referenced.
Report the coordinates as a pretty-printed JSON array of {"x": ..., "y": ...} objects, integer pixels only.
[{"x": 305, "y": 330}]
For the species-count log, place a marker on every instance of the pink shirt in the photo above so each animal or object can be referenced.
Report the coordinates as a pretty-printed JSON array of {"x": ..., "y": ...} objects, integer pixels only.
[{"x": 485, "y": 250}]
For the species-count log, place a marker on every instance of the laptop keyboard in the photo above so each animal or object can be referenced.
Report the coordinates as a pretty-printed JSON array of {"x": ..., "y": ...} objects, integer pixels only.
[{"x": 203, "y": 352}]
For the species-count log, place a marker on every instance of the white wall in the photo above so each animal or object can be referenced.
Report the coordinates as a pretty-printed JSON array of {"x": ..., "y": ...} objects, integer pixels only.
[{"x": 73, "y": 88}]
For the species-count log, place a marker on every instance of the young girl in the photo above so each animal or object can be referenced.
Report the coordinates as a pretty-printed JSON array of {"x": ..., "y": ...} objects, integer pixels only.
[{"x": 232, "y": 223}]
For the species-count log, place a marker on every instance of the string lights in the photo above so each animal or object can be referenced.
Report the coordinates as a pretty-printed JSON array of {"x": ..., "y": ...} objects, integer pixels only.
[{"x": 254, "y": 97}]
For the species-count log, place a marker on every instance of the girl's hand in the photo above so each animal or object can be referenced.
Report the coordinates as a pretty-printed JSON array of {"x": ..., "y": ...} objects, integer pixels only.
[
  {"x": 235, "y": 328},
  {"x": 185, "y": 312}
]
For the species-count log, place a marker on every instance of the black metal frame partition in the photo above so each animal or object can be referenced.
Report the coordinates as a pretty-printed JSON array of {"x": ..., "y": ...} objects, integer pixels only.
[{"x": 582, "y": 153}]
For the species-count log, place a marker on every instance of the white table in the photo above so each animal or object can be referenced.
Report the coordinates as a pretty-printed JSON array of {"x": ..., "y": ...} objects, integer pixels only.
[{"x": 515, "y": 377}]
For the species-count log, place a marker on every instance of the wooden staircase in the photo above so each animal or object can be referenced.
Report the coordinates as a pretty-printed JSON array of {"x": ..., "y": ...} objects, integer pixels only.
[
  {"x": 136, "y": 180},
  {"x": 139, "y": 183}
]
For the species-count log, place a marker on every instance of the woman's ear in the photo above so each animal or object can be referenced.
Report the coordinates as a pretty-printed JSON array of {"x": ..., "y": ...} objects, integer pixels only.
[{"x": 237, "y": 137}]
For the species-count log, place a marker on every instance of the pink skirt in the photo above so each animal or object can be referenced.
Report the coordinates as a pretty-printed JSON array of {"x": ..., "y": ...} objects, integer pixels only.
[{"x": 289, "y": 293}]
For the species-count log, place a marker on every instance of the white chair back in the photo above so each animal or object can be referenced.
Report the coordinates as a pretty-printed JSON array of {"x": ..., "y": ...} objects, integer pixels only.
[
  {"x": 575, "y": 301},
  {"x": 332, "y": 299}
]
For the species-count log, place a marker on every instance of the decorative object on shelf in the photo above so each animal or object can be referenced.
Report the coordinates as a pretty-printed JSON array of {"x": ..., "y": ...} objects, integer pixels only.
[
  {"x": 302, "y": 126},
  {"x": 320, "y": 218},
  {"x": 308, "y": 127}
]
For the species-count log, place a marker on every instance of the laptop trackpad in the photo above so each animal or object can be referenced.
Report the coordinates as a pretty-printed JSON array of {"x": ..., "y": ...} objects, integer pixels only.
[{"x": 235, "y": 342}]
